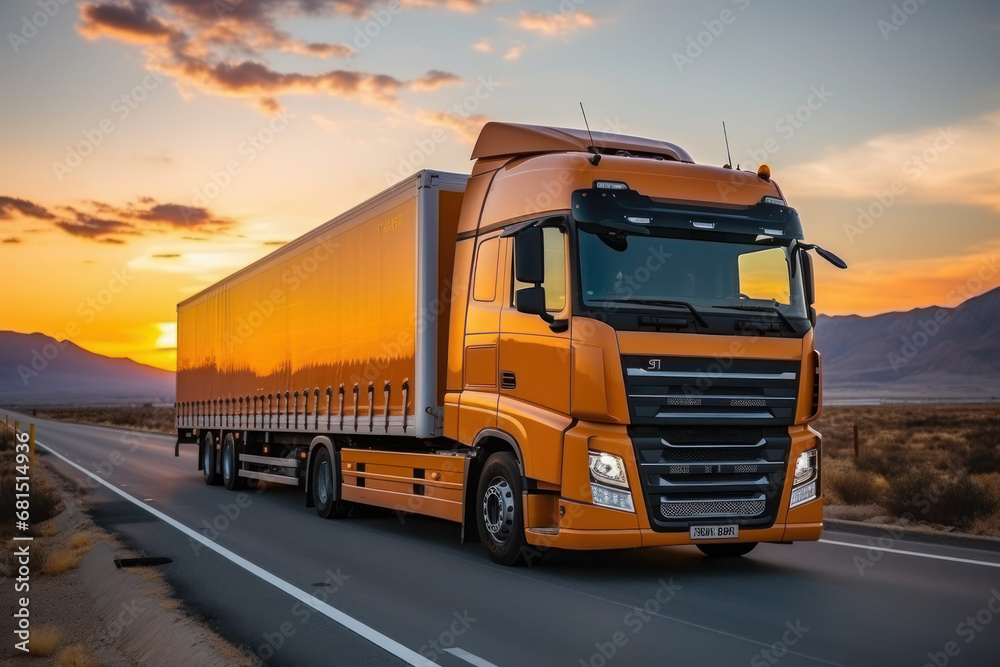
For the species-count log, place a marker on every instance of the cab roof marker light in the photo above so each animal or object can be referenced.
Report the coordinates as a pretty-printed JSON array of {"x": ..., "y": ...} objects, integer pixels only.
[
  {"x": 774, "y": 200},
  {"x": 773, "y": 232},
  {"x": 703, "y": 225},
  {"x": 610, "y": 185},
  {"x": 639, "y": 221}
]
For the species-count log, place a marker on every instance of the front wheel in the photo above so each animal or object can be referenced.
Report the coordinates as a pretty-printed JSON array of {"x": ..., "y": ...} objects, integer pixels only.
[
  {"x": 323, "y": 490},
  {"x": 499, "y": 513},
  {"x": 727, "y": 550}
]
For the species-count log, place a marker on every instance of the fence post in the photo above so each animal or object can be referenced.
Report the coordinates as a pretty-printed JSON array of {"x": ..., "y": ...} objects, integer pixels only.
[{"x": 31, "y": 443}]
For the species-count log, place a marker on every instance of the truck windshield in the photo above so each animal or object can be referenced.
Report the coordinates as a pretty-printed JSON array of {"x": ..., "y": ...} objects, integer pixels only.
[{"x": 710, "y": 275}]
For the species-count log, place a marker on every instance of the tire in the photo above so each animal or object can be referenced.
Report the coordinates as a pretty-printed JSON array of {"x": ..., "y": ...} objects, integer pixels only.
[
  {"x": 208, "y": 460},
  {"x": 499, "y": 513},
  {"x": 727, "y": 550},
  {"x": 321, "y": 485},
  {"x": 231, "y": 466}
]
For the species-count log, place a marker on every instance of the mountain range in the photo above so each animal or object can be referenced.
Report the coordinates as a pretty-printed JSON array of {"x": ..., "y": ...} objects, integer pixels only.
[
  {"x": 36, "y": 369},
  {"x": 925, "y": 354}
]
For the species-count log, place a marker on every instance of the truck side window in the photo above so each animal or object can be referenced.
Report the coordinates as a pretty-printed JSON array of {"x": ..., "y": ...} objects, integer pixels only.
[
  {"x": 485, "y": 288},
  {"x": 554, "y": 243},
  {"x": 764, "y": 275}
]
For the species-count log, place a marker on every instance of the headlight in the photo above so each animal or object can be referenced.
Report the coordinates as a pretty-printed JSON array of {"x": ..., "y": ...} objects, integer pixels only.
[
  {"x": 608, "y": 468},
  {"x": 805, "y": 467},
  {"x": 804, "y": 486}
]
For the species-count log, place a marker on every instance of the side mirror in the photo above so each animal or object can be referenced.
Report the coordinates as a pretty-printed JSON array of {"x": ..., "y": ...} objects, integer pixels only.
[
  {"x": 529, "y": 257},
  {"x": 530, "y": 300}
]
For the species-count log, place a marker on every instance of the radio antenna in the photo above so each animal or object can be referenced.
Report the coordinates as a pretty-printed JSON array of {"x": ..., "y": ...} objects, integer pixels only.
[
  {"x": 728, "y": 155},
  {"x": 596, "y": 157}
]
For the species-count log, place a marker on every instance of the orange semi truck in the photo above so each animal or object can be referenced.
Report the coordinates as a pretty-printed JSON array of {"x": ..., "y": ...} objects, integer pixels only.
[{"x": 591, "y": 342}]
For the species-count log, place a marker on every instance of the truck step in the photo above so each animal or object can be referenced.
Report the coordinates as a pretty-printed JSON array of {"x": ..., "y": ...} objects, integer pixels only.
[
  {"x": 268, "y": 477},
  {"x": 270, "y": 461}
]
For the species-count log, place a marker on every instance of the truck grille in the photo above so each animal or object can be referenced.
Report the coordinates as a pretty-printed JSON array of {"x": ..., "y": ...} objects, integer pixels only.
[
  {"x": 715, "y": 508},
  {"x": 704, "y": 474},
  {"x": 670, "y": 390}
]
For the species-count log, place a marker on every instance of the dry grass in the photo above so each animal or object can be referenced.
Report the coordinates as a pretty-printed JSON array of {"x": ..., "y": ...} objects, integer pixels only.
[
  {"x": 140, "y": 418},
  {"x": 938, "y": 464},
  {"x": 77, "y": 656},
  {"x": 44, "y": 640},
  {"x": 69, "y": 557}
]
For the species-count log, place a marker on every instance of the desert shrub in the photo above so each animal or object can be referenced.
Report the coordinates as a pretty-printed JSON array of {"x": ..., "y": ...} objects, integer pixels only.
[
  {"x": 925, "y": 494},
  {"x": 855, "y": 487},
  {"x": 886, "y": 461},
  {"x": 982, "y": 458}
]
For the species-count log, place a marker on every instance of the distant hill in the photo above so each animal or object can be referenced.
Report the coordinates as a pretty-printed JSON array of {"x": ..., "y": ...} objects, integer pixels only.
[
  {"x": 36, "y": 369},
  {"x": 923, "y": 354}
]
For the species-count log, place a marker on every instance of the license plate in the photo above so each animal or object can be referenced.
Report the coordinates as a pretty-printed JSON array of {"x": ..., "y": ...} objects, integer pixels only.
[{"x": 714, "y": 532}]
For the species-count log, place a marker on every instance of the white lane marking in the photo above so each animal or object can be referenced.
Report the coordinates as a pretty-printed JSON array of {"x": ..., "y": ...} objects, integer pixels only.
[
  {"x": 334, "y": 614},
  {"x": 912, "y": 553},
  {"x": 469, "y": 657}
]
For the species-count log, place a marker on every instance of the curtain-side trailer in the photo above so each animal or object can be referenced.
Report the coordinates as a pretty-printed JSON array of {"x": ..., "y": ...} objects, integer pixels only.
[{"x": 584, "y": 344}]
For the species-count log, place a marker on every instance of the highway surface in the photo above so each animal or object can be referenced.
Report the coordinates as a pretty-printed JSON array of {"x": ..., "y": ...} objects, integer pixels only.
[{"x": 388, "y": 590}]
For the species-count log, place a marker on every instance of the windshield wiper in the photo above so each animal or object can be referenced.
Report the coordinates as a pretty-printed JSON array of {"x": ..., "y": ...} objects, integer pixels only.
[
  {"x": 762, "y": 309},
  {"x": 665, "y": 304}
]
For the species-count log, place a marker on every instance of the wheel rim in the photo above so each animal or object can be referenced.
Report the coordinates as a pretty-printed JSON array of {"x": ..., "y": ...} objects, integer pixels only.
[
  {"x": 227, "y": 462},
  {"x": 498, "y": 510},
  {"x": 324, "y": 481}
]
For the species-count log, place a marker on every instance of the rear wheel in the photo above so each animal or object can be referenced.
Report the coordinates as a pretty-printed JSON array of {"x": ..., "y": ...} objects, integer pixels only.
[
  {"x": 208, "y": 460},
  {"x": 499, "y": 514},
  {"x": 230, "y": 465},
  {"x": 727, "y": 550},
  {"x": 323, "y": 488}
]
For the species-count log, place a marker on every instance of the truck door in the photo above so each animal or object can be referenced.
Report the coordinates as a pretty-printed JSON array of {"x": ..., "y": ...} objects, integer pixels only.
[
  {"x": 482, "y": 339},
  {"x": 535, "y": 363}
]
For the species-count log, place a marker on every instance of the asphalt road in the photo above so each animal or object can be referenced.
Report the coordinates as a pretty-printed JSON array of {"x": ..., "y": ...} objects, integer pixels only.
[{"x": 409, "y": 585}]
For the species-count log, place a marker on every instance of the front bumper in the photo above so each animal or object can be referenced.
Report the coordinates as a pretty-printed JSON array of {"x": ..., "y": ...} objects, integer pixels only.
[{"x": 571, "y": 520}]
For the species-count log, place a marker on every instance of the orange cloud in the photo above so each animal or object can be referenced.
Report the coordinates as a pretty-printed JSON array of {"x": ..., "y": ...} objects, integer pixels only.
[
  {"x": 467, "y": 128},
  {"x": 874, "y": 287},
  {"x": 218, "y": 47},
  {"x": 957, "y": 164},
  {"x": 551, "y": 23},
  {"x": 9, "y": 206}
]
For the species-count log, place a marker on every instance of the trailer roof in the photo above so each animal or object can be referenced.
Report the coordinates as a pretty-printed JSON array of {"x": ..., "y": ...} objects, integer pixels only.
[{"x": 505, "y": 139}]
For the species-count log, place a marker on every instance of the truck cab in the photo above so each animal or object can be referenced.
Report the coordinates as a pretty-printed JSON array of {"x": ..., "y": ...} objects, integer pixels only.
[{"x": 638, "y": 330}]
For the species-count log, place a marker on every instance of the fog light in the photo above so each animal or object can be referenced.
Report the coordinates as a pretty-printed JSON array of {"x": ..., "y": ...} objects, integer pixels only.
[
  {"x": 605, "y": 497},
  {"x": 803, "y": 494}
]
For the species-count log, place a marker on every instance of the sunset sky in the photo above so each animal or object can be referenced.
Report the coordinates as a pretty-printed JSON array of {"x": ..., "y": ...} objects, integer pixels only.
[{"x": 150, "y": 147}]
